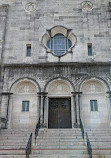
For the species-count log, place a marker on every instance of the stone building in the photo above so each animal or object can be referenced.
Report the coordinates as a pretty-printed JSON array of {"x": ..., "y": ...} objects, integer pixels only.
[{"x": 55, "y": 63}]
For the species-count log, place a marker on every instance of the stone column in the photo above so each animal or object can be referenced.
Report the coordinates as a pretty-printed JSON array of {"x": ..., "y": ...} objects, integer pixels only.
[
  {"x": 109, "y": 97},
  {"x": 42, "y": 104},
  {"x": 74, "y": 115},
  {"x": 10, "y": 112},
  {"x": 38, "y": 105},
  {"x": 46, "y": 111},
  {"x": 77, "y": 107},
  {"x": 41, "y": 110},
  {"x": 4, "y": 109}
]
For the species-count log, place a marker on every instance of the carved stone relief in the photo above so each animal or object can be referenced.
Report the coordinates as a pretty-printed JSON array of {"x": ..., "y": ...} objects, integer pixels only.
[
  {"x": 30, "y": 6},
  {"x": 25, "y": 88},
  {"x": 59, "y": 87},
  {"x": 93, "y": 87},
  {"x": 87, "y": 5}
]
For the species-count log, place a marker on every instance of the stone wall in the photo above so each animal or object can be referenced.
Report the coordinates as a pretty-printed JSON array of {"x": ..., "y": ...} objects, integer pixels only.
[
  {"x": 3, "y": 24},
  {"x": 28, "y": 25}
]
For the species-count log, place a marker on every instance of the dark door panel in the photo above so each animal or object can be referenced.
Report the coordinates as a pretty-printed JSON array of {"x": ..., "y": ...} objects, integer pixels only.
[{"x": 60, "y": 113}]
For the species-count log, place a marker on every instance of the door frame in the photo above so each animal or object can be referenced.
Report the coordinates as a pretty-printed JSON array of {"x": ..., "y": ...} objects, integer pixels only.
[{"x": 62, "y": 96}]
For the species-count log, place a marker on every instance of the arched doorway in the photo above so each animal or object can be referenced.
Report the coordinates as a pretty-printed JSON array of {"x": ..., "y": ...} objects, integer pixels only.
[
  {"x": 94, "y": 107},
  {"x": 59, "y": 105},
  {"x": 23, "y": 105}
]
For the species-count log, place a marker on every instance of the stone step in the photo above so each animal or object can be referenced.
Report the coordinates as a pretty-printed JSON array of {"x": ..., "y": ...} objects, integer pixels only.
[
  {"x": 59, "y": 143},
  {"x": 60, "y": 130},
  {"x": 99, "y": 135},
  {"x": 15, "y": 131},
  {"x": 59, "y": 146},
  {"x": 7, "y": 147},
  {"x": 102, "y": 151},
  {"x": 14, "y": 134},
  {"x": 59, "y": 151},
  {"x": 14, "y": 138},
  {"x": 60, "y": 134},
  {"x": 98, "y": 129},
  {"x": 60, "y": 156},
  {"x": 12, "y": 152},
  {"x": 64, "y": 133},
  {"x": 101, "y": 139},
  {"x": 12, "y": 156},
  {"x": 59, "y": 139},
  {"x": 106, "y": 144},
  {"x": 48, "y": 131},
  {"x": 99, "y": 132},
  {"x": 13, "y": 143}
]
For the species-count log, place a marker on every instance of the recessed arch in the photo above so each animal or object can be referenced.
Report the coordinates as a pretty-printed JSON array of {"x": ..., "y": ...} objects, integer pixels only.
[
  {"x": 23, "y": 104},
  {"x": 25, "y": 80},
  {"x": 94, "y": 107},
  {"x": 59, "y": 87},
  {"x": 59, "y": 99},
  {"x": 59, "y": 80},
  {"x": 95, "y": 79}
]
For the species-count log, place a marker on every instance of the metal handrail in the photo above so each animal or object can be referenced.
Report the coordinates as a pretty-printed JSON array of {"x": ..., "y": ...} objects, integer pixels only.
[
  {"x": 29, "y": 146},
  {"x": 82, "y": 128},
  {"x": 37, "y": 129},
  {"x": 89, "y": 148}
]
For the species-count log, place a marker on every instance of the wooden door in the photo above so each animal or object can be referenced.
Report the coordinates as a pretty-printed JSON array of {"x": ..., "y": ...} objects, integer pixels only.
[{"x": 60, "y": 113}]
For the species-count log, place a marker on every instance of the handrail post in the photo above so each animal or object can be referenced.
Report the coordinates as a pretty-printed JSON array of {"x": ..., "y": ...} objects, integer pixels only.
[
  {"x": 29, "y": 146},
  {"x": 82, "y": 128},
  {"x": 89, "y": 148},
  {"x": 37, "y": 129}
]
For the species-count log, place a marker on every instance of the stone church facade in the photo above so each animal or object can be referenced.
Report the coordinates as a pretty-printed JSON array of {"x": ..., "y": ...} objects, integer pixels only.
[{"x": 42, "y": 76}]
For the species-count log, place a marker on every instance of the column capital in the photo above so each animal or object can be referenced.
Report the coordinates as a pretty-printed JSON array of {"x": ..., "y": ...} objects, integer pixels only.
[
  {"x": 7, "y": 93},
  {"x": 42, "y": 93},
  {"x": 109, "y": 92},
  {"x": 76, "y": 93}
]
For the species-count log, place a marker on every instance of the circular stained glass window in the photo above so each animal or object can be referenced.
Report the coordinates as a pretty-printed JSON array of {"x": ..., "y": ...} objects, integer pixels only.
[{"x": 59, "y": 44}]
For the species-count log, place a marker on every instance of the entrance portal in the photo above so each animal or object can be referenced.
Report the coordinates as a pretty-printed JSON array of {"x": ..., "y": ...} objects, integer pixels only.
[{"x": 60, "y": 113}]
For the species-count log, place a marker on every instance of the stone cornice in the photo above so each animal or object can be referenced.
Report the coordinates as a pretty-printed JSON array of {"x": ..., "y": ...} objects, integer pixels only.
[{"x": 59, "y": 64}]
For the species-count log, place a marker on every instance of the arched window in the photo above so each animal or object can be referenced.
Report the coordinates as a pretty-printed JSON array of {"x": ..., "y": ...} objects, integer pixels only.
[{"x": 59, "y": 44}]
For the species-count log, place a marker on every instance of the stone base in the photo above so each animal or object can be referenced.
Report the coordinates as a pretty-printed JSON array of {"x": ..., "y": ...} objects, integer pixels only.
[
  {"x": 12, "y": 156},
  {"x": 2, "y": 123}
]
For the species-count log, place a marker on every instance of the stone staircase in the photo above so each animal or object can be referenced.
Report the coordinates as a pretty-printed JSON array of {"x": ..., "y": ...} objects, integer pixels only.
[
  {"x": 55, "y": 143},
  {"x": 100, "y": 140},
  {"x": 13, "y": 143},
  {"x": 59, "y": 143}
]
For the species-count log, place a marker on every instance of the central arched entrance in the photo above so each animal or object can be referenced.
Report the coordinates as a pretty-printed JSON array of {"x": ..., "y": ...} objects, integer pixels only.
[
  {"x": 60, "y": 113},
  {"x": 59, "y": 105}
]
